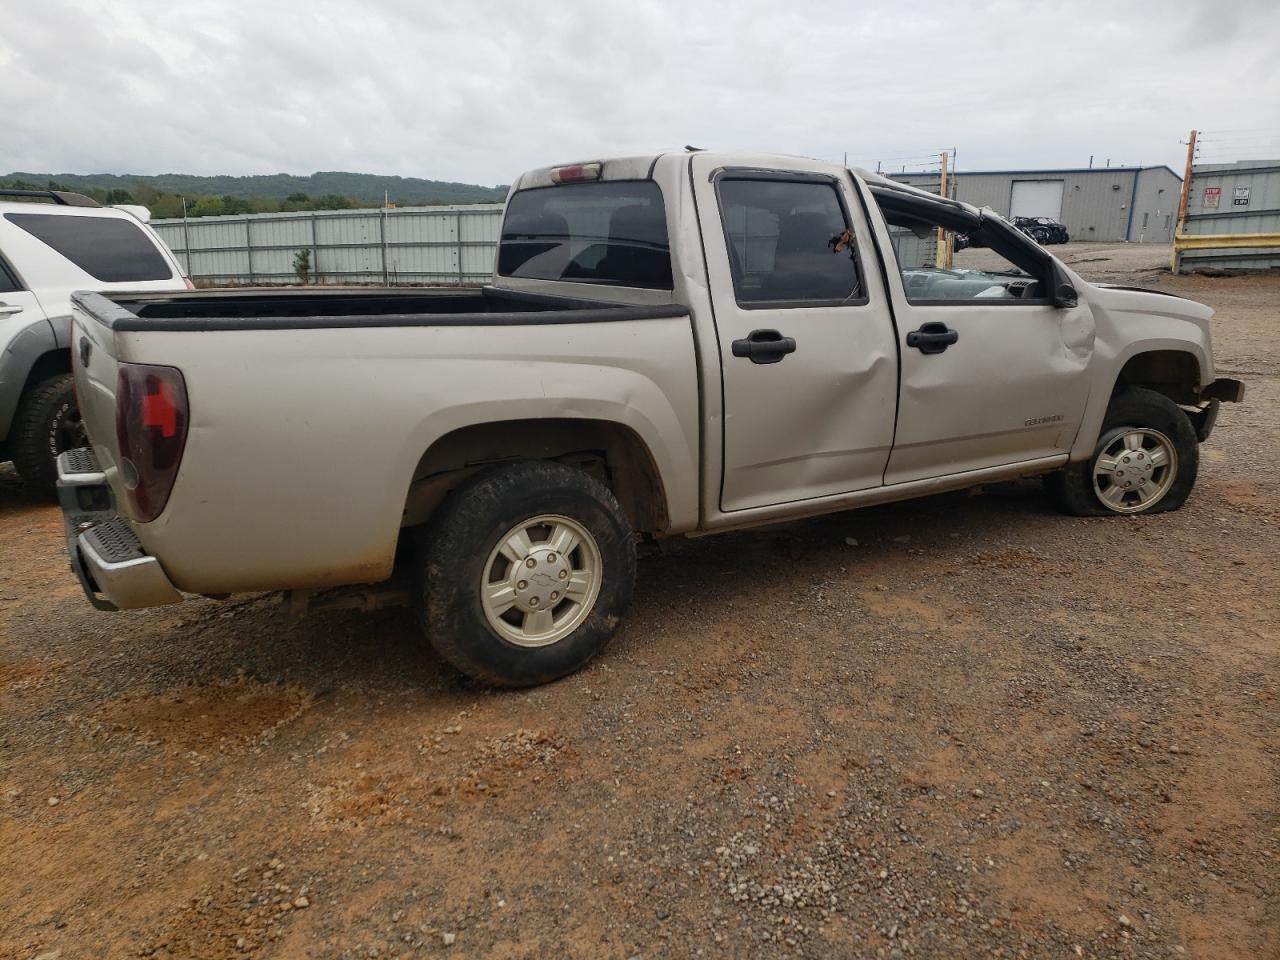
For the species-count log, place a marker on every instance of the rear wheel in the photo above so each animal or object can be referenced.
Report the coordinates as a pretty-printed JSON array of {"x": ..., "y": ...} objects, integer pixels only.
[
  {"x": 47, "y": 423},
  {"x": 528, "y": 568},
  {"x": 1146, "y": 461}
]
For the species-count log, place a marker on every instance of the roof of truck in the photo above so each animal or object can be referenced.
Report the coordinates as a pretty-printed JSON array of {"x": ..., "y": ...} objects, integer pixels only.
[{"x": 640, "y": 167}]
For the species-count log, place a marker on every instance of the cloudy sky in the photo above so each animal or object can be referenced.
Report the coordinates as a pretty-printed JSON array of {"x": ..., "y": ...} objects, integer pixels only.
[{"x": 477, "y": 91}]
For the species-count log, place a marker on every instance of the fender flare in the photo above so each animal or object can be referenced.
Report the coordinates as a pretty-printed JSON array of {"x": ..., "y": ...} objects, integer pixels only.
[
  {"x": 1099, "y": 400},
  {"x": 26, "y": 347}
]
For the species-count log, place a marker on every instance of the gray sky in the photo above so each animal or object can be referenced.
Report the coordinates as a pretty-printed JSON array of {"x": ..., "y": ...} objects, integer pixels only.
[{"x": 477, "y": 91}]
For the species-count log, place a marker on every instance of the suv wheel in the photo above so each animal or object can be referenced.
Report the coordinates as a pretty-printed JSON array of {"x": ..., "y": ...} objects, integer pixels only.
[
  {"x": 528, "y": 568},
  {"x": 47, "y": 423},
  {"x": 1145, "y": 462}
]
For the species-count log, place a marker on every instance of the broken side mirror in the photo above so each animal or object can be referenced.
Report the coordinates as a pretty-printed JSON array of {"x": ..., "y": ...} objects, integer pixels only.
[{"x": 1064, "y": 291}]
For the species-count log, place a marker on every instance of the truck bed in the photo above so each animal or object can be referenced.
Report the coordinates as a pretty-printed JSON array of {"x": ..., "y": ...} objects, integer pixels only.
[
  {"x": 368, "y": 307},
  {"x": 313, "y": 415}
]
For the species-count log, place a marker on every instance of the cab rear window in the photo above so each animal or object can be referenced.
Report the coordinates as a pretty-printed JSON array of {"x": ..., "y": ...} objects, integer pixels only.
[
  {"x": 610, "y": 233},
  {"x": 110, "y": 249}
]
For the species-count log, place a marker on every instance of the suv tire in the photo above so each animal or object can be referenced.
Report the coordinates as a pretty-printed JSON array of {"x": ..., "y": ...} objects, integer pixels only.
[
  {"x": 500, "y": 599},
  {"x": 47, "y": 423}
]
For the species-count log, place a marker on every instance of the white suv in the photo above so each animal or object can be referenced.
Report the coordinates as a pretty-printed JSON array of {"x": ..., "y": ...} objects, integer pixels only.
[{"x": 52, "y": 243}]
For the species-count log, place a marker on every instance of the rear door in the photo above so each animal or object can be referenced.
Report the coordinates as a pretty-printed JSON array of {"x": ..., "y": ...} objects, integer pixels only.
[
  {"x": 807, "y": 345},
  {"x": 18, "y": 306}
]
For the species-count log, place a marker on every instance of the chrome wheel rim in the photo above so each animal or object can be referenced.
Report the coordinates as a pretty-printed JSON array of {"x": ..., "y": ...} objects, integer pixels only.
[
  {"x": 541, "y": 581},
  {"x": 1135, "y": 468}
]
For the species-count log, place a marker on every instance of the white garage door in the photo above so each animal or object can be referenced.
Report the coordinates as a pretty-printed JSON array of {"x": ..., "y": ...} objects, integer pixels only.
[{"x": 1036, "y": 198}]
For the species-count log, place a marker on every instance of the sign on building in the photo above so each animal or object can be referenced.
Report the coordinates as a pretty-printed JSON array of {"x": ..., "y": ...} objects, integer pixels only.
[
  {"x": 1242, "y": 197},
  {"x": 1211, "y": 197}
]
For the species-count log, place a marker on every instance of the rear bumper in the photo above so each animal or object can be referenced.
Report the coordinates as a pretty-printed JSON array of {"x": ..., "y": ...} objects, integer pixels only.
[{"x": 107, "y": 558}]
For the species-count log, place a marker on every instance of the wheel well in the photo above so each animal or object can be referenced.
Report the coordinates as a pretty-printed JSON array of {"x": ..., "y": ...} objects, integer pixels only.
[
  {"x": 1175, "y": 373},
  {"x": 612, "y": 453},
  {"x": 48, "y": 365}
]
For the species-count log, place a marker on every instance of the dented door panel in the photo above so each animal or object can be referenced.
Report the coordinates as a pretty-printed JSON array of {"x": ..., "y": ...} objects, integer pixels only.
[{"x": 1012, "y": 387}]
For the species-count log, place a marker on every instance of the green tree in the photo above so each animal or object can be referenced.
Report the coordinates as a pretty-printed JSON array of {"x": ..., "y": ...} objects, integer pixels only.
[
  {"x": 208, "y": 207},
  {"x": 166, "y": 206},
  {"x": 302, "y": 265},
  {"x": 146, "y": 194}
]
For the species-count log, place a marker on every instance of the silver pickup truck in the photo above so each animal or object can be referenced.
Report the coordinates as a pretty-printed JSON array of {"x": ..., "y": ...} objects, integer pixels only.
[{"x": 674, "y": 345}]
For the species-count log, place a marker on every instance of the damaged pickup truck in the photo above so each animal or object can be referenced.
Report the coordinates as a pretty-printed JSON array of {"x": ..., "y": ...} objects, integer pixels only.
[{"x": 674, "y": 345}]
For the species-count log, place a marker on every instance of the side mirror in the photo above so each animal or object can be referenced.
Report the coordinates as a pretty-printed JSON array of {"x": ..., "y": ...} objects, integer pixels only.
[{"x": 1065, "y": 295}]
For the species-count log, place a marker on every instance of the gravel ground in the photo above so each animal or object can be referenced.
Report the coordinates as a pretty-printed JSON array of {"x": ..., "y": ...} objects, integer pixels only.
[{"x": 957, "y": 727}]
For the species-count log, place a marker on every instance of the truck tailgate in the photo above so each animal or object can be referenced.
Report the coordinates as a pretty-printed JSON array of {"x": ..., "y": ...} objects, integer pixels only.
[{"x": 96, "y": 369}]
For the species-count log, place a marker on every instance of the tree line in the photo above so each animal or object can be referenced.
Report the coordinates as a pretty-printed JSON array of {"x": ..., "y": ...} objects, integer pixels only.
[{"x": 166, "y": 206}]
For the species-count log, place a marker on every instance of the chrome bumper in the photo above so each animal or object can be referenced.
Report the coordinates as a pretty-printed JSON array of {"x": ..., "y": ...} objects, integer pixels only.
[{"x": 105, "y": 554}]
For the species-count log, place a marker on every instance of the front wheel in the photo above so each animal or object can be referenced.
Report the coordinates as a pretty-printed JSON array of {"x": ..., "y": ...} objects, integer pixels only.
[
  {"x": 528, "y": 569},
  {"x": 1146, "y": 461}
]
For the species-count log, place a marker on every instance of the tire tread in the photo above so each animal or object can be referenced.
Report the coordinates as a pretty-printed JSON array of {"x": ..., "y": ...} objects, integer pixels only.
[
  {"x": 470, "y": 514},
  {"x": 36, "y": 469}
]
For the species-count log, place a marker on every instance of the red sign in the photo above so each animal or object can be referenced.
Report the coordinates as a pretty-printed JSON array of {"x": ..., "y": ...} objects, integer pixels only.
[{"x": 1211, "y": 196}]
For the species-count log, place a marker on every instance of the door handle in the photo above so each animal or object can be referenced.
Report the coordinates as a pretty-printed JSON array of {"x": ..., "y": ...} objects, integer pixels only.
[
  {"x": 932, "y": 337},
  {"x": 764, "y": 346},
  {"x": 9, "y": 309}
]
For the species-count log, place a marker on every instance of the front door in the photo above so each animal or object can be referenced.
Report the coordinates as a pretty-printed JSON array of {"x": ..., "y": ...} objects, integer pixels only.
[
  {"x": 807, "y": 347},
  {"x": 993, "y": 372}
]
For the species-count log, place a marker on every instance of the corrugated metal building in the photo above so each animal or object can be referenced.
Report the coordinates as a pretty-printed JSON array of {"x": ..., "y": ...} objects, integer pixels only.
[
  {"x": 1137, "y": 204},
  {"x": 1233, "y": 199}
]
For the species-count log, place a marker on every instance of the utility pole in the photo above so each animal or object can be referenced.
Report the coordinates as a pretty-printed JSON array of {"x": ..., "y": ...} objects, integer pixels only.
[
  {"x": 186, "y": 236},
  {"x": 1186, "y": 181},
  {"x": 943, "y": 257},
  {"x": 1183, "y": 200}
]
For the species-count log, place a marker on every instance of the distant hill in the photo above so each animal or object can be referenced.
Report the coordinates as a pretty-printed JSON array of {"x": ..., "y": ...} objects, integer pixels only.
[{"x": 367, "y": 187}]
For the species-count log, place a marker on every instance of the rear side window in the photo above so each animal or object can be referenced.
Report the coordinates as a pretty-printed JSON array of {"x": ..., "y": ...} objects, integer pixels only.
[
  {"x": 789, "y": 243},
  {"x": 610, "y": 233},
  {"x": 110, "y": 249}
]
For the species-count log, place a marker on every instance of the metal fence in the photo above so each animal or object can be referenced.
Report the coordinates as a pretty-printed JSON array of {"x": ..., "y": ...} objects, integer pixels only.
[
  {"x": 1233, "y": 217},
  {"x": 410, "y": 245}
]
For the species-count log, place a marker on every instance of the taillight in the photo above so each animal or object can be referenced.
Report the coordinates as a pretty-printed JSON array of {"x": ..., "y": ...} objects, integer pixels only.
[
  {"x": 151, "y": 430},
  {"x": 576, "y": 173}
]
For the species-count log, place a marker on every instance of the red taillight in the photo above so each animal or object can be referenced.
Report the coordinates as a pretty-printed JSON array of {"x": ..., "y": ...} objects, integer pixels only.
[
  {"x": 151, "y": 430},
  {"x": 576, "y": 173}
]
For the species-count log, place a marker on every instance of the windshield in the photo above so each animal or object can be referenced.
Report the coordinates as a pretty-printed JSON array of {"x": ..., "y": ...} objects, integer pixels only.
[{"x": 611, "y": 233}]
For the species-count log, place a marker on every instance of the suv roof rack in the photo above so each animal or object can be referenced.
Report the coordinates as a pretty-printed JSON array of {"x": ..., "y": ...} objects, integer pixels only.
[{"x": 62, "y": 197}]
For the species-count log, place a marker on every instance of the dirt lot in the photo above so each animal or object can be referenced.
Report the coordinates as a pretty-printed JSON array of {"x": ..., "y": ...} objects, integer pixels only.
[{"x": 956, "y": 727}]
